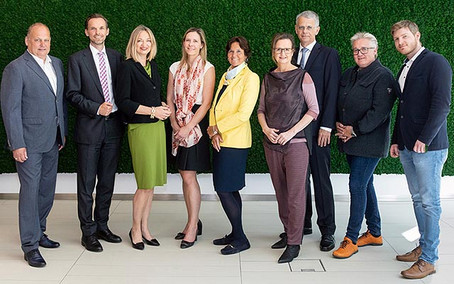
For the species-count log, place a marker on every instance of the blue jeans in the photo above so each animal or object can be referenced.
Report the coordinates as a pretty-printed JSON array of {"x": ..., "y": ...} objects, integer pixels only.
[
  {"x": 423, "y": 173},
  {"x": 363, "y": 201}
]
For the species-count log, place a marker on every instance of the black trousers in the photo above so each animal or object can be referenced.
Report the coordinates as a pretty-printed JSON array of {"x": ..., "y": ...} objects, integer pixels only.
[
  {"x": 319, "y": 169},
  {"x": 97, "y": 162}
]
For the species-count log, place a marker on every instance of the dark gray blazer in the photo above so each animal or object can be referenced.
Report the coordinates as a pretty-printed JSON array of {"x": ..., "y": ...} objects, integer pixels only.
[
  {"x": 366, "y": 98},
  {"x": 84, "y": 92},
  {"x": 31, "y": 110}
]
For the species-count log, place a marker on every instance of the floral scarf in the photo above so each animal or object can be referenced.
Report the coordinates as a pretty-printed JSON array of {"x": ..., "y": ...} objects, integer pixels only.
[{"x": 186, "y": 86}]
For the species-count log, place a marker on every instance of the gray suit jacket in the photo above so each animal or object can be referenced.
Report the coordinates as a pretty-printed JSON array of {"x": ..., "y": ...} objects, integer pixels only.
[{"x": 31, "y": 111}]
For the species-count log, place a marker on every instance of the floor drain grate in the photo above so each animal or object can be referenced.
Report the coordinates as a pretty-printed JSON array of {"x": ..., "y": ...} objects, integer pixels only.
[{"x": 307, "y": 265}]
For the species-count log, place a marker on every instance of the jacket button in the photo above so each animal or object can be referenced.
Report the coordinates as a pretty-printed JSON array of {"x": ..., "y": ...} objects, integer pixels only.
[
  {"x": 402, "y": 101},
  {"x": 401, "y": 116},
  {"x": 154, "y": 87}
]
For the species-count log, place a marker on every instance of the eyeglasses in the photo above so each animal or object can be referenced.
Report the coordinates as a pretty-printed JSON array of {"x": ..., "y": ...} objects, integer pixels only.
[
  {"x": 363, "y": 50},
  {"x": 308, "y": 28},
  {"x": 285, "y": 50}
]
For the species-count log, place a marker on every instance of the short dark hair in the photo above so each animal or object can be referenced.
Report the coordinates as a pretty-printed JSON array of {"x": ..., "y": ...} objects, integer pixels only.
[
  {"x": 95, "y": 16},
  {"x": 242, "y": 41}
]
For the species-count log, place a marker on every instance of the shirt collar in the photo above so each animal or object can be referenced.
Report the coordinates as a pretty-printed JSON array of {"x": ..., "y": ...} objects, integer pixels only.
[
  {"x": 410, "y": 62},
  {"x": 39, "y": 60},
  {"x": 95, "y": 51},
  {"x": 309, "y": 46}
]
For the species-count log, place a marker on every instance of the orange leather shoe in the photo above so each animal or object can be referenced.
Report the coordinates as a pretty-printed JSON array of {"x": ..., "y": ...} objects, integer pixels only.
[
  {"x": 367, "y": 239},
  {"x": 346, "y": 249}
]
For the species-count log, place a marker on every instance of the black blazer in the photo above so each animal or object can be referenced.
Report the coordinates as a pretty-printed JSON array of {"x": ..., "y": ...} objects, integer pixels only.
[
  {"x": 84, "y": 92},
  {"x": 324, "y": 67},
  {"x": 366, "y": 98},
  {"x": 135, "y": 87},
  {"x": 424, "y": 103}
]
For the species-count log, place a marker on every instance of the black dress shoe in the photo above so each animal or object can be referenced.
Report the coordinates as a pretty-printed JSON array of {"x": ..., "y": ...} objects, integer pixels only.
[
  {"x": 45, "y": 242},
  {"x": 108, "y": 236},
  {"x": 235, "y": 248},
  {"x": 185, "y": 244},
  {"x": 307, "y": 231},
  {"x": 289, "y": 253},
  {"x": 282, "y": 243},
  {"x": 91, "y": 243},
  {"x": 34, "y": 258},
  {"x": 152, "y": 242},
  {"x": 327, "y": 243},
  {"x": 181, "y": 235},
  {"x": 139, "y": 245},
  {"x": 227, "y": 239}
]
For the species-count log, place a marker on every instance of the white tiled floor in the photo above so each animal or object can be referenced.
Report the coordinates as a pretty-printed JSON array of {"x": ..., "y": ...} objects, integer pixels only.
[{"x": 203, "y": 263}]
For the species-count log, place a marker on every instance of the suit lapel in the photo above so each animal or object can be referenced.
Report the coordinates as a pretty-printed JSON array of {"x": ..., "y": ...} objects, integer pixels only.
[
  {"x": 144, "y": 73},
  {"x": 89, "y": 61},
  {"x": 112, "y": 63},
  {"x": 59, "y": 75},
  {"x": 314, "y": 53},
  {"x": 232, "y": 84},
  {"x": 413, "y": 67},
  {"x": 37, "y": 69}
]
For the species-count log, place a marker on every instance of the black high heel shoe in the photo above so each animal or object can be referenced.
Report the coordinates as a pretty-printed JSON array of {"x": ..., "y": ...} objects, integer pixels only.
[
  {"x": 181, "y": 235},
  {"x": 139, "y": 246},
  {"x": 152, "y": 242},
  {"x": 185, "y": 244}
]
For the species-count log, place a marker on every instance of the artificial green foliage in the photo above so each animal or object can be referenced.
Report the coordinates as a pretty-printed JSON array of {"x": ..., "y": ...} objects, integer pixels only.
[{"x": 257, "y": 20}]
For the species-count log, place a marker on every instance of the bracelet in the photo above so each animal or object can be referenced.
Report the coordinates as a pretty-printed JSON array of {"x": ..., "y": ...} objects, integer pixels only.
[{"x": 153, "y": 111}]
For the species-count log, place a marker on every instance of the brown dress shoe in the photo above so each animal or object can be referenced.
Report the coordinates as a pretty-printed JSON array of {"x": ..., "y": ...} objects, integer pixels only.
[
  {"x": 410, "y": 256},
  {"x": 346, "y": 249},
  {"x": 418, "y": 270}
]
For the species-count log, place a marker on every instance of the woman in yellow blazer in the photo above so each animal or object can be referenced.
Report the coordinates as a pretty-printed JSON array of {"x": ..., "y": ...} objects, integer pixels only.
[{"x": 230, "y": 133}]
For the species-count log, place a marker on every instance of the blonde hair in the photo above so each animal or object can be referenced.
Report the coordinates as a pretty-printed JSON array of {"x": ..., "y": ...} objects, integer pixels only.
[
  {"x": 412, "y": 26},
  {"x": 131, "y": 50},
  {"x": 203, "y": 51}
]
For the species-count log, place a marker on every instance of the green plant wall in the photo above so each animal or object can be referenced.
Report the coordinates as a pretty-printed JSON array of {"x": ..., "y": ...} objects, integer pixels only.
[{"x": 257, "y": 20}]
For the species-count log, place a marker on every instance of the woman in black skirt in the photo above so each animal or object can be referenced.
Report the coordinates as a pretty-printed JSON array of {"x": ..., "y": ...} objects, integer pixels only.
[
  {"x": 230, "y": 133},
  {"x": 189, "y": 94}
]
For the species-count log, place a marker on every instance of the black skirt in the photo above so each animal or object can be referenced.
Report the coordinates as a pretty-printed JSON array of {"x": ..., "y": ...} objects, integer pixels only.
[
  {"x": 229, "y": 169},
  {"x": 196, "y": 157}
]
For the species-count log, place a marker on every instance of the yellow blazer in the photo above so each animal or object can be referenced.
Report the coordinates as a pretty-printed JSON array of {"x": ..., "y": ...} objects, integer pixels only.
[{"x": 231, "y": 114}]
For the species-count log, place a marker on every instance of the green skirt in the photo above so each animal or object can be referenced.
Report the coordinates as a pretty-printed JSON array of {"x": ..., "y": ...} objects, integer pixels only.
[{"x": 147, "y": 143}]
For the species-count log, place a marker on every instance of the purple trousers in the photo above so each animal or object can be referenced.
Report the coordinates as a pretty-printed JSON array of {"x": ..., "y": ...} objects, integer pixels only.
[{"x": 288, "y": 172}]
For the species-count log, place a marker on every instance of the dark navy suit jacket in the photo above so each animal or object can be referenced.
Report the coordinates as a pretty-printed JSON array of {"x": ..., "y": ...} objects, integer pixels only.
[
  {"x": 324, "y": 67},
  {"x": 424, "y": 103}
]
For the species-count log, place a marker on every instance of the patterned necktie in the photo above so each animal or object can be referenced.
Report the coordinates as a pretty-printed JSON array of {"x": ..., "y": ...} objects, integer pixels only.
[
  {"x": 103, "y": 77},
  {"x": 303, "y": 58}
]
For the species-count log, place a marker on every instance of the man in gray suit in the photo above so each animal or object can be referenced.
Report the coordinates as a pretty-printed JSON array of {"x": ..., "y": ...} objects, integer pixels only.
[{"x": 32, "y": 109}]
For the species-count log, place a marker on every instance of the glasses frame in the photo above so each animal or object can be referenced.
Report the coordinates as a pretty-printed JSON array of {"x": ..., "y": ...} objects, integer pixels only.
[
  {"x": 363, "y": 50},
  {"x": 285, "y": 50}
]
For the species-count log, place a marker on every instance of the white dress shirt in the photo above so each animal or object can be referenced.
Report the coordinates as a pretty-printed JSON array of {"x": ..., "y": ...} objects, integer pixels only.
[{"x": 48, "y": 69}]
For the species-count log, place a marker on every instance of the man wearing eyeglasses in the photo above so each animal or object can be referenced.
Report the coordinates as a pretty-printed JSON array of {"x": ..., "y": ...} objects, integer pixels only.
[
  {"x": 420, "y": 138},
  {"x": 323, "y": 64}
]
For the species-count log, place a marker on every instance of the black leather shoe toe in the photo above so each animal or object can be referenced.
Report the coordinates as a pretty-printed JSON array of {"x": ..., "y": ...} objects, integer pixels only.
[
  {"x": 235, "y": 248},
  {"x": 227, "y": 239},
  {"x": 289, "y": 253},
  {"x": 91, "y": 243},
  {"x": 34, "y": 258},
  {"x": 180, "y": 236},
  {"x": 108, "y": 236},
  {"x": 139, "y": 245},
  {"x": 45, "y": 242},
  {"x": 185, "y": 244},
  {"x": 282, "y": 243},
  {"x": 152, "y": 242},
  {"x": 307, "y": 231},
  {"x": 327, "y": 243}
]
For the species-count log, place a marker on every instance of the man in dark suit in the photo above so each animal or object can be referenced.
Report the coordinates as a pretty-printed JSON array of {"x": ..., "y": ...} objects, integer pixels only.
[
  {"x": 420, "y": 138},
  {"x": 98, "y": 132},
  {"x": 323, "y": 64},
  {"x": 33, "y": 115}
]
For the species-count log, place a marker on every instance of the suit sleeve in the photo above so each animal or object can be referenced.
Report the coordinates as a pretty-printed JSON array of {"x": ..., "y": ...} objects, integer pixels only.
[
  {"x": 11, "y": 103},
  {"x": 74, "y": 90},
  {"x": 124, "y": 90},
  {"x": 331, "y": 82},
  {"x": 384, "y": 96},
  {"x": 440, "y": 81},
  {"x": 247, "y": 104}
]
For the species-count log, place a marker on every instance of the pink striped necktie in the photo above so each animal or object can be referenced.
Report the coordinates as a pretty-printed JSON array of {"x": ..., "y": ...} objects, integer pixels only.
[{"x": 103, "y": 77}]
